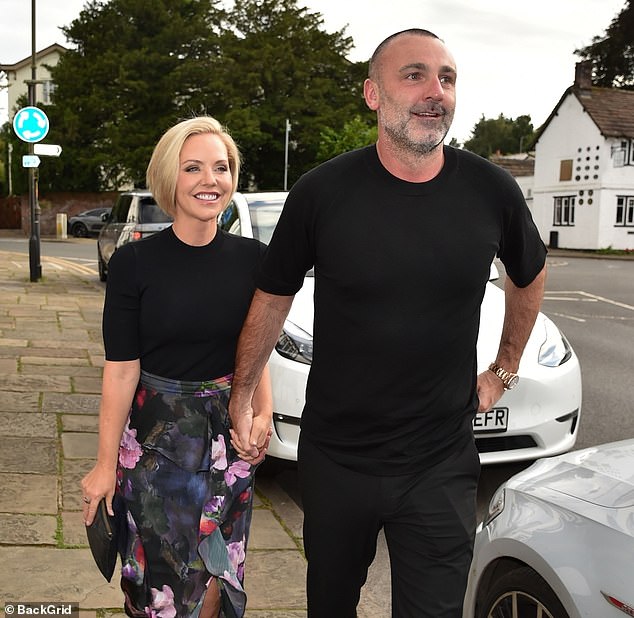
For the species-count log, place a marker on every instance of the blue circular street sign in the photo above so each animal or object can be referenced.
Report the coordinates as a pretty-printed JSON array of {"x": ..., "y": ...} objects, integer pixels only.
[{"x": 30, "y": 124}]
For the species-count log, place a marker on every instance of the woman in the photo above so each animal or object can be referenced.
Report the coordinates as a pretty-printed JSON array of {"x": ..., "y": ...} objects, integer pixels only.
[{"x": 174, "y": 307}]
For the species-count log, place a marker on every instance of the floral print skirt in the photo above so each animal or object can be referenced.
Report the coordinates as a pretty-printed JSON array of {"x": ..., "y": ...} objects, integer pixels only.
[{"x": 188, "y": 499}]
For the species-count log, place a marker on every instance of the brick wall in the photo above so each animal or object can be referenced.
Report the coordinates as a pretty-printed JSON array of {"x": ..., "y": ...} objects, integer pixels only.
[{"x": 53, "y": 203}]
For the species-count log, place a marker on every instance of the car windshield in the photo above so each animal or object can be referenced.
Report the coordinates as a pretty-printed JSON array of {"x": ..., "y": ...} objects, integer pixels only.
[{"x": 264, "y": 217}]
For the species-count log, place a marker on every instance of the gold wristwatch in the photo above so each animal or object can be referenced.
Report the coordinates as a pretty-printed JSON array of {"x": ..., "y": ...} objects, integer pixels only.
[{"x": 509, "y": 379}]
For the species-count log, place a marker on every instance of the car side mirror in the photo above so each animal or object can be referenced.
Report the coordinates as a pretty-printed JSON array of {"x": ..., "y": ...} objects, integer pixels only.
[{"x": 105, "y": 216}]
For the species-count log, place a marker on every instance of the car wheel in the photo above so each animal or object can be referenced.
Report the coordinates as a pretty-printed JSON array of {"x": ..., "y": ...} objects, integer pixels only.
[
  {"x": 521, "y": 593},
  {"x": 103, "y": 269},
  {"x": 79, "y": 230}
]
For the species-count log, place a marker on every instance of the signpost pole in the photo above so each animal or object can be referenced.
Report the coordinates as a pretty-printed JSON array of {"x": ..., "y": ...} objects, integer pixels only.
[{"x": 35, "y": 266}]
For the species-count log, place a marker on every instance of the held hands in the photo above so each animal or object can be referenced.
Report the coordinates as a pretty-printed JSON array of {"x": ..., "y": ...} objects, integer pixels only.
[
  {"x": 250, "y": 434},
  {"x": 490, "y": 389}
]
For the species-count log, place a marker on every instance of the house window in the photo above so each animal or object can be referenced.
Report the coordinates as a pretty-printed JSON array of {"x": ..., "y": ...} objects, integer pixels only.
[
  {"x": 625, "y": 210},
  {"x": 48, "y": 88},
  {"x": 565, "y": 169},
  {"x": 564, "y": 211},
  {"x": 623, "y": 153}
]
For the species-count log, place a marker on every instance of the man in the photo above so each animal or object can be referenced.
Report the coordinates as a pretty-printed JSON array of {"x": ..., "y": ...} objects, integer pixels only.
[{"x": 401, "y": 235}]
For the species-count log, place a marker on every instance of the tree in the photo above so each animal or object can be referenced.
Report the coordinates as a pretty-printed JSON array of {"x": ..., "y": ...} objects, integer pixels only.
[
  {"x": 141, "y": 65},
  {"x": 501, "y": 134},
  {"x": 613, "y": 53},
  {"x": 355, "y": 133}
]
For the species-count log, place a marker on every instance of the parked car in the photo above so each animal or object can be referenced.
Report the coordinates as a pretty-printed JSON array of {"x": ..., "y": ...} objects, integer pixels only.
[
  {"x": 539, "y": 417},
  {"x": 134, "y": 216},
  {"x": 88, "y": 222},
  {"x": 558, "y": 540}
]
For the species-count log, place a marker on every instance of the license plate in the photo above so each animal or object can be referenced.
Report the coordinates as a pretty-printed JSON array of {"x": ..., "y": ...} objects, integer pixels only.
[{"x": 492, "y": 421}]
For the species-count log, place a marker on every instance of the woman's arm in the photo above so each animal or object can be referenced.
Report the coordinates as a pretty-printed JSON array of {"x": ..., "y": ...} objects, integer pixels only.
[{"x": 120, "y": 380}]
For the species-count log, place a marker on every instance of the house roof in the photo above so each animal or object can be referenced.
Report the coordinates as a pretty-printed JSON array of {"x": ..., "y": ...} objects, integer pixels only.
[
  {"x": 516, "y": 165},
  {"x": 611, "y": 110},
  {"x": 55, "y": 47}
]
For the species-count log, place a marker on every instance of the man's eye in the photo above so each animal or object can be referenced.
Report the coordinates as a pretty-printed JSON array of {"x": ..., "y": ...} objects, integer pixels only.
[
  {"x": 413, "y": 76},
  {"x": 447, "y": 79}
]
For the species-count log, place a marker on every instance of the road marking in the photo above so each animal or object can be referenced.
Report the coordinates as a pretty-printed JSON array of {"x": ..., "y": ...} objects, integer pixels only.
[
  {"x": 616, "y": 303},
  {"x": 568, "y": 317},
  {"x": 63, "y": 264},
  {"x": 570, "y": 298}
]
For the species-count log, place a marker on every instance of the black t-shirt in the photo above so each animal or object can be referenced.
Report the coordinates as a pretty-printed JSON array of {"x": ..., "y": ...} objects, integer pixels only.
[
  {"x": 400, "y": 273},
  {"x": 179, "y": 308}
]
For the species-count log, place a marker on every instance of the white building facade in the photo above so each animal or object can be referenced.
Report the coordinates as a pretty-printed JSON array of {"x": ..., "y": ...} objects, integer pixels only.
[{"x": 583, "y": 192}]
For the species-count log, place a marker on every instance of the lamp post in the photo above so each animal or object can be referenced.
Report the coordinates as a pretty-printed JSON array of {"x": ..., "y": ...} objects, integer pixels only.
[
  {"x": 35, "y": 267},
  {"x": 288, "y": 130}
]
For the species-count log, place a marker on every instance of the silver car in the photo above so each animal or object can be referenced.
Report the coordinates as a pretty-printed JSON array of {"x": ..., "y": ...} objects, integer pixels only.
[
  {"x": 558, "y": 541},
  {"x": 134, "y": 216},
  {"x": 88, "y": 222}
]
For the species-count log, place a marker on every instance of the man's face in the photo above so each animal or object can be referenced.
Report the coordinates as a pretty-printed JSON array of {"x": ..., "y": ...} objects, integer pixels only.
[{"x": 413, "y": 91}]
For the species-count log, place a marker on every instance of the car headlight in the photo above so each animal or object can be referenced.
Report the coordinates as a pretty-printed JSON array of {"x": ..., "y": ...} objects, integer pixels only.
[
  {"x": 496, "y": 506},
  {"x": 555, "y": 350},
  {"x": 295, "y": 343}
]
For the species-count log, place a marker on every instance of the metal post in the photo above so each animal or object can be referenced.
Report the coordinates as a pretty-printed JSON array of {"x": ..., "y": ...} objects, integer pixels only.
[
  {"x": 35, "y": 267},
  {"x": 10, "y": 160},
  {"x": 288, "y": 130}
]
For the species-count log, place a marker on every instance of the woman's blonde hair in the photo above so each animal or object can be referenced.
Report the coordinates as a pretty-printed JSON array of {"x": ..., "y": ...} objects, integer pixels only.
[{"x": 162, "y": 171}]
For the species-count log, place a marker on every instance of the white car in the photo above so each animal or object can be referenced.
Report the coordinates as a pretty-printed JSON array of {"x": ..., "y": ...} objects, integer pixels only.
[
  {"x": 558, "y": 541},
  {"x": 540, "y": 417}
]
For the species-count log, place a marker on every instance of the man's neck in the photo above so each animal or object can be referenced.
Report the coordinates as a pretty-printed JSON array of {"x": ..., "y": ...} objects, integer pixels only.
[{"x": 409, "y": 166}]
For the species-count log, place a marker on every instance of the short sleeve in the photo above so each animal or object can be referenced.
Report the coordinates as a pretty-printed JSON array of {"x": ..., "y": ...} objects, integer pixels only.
[
  {"x": 290, "y": 254},
  {"x": 122, "y": 306},
  {"x": 522, "y": 250}
]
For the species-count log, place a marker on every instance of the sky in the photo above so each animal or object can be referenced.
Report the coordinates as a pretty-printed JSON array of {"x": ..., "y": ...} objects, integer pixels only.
[{"x": 514, "y": 58}]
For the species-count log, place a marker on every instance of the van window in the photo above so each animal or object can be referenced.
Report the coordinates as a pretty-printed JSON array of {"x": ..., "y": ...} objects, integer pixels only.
[
  {"x": 120, "y": 209},
  {"x": 151, "y": 213}
]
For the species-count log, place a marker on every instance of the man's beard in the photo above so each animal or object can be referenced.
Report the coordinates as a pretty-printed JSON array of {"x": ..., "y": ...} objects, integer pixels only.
[
  {"x": 400, "y": 136},
  {"x": 423, "y": 146}
]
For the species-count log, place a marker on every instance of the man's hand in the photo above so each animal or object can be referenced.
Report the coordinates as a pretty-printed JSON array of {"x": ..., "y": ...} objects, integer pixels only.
[{"x": 490, "y": 389}]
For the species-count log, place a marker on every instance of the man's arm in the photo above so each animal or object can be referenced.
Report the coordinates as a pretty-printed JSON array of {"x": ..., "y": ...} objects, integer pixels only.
[
  {"x": 521, "y": 309},
  {"x": 261, "y": 330}
]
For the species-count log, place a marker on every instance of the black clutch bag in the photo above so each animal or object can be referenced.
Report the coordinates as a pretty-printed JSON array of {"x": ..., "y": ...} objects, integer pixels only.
[{"x": 107, "y": 535}]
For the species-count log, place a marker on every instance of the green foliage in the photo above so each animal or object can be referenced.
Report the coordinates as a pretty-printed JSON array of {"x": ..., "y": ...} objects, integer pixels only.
[
  {"x": 139, "y": 66},
  {"x": 354, "y": 134},
  {"x": 19, "y": 175},
  {"x": 501, "y": 134},
  {"x": 613, "y": 52}
]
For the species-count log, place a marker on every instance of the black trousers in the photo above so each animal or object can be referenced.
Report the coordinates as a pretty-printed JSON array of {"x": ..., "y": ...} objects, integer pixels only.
[{"x": 429, "y": 521}]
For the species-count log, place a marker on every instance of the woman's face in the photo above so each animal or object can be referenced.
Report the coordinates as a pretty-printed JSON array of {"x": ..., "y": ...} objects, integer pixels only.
[{"x": 204, "y": 184}]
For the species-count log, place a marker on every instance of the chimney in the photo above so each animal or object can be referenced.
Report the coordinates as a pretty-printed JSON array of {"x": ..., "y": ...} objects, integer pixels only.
[{"x": 583, "y": 76}]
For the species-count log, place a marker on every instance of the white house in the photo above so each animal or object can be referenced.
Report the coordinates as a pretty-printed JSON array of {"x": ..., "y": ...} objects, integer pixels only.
[
  {"x": 19, "y": 73},
  {"x": 583, "y": 192}
]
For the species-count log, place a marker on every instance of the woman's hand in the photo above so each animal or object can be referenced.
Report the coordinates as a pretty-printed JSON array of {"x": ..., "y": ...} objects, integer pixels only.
[{"x": 97, "y": 484}]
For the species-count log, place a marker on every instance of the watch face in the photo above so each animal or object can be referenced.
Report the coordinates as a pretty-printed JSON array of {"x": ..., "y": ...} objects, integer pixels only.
[{"x": 512, "y": 382}]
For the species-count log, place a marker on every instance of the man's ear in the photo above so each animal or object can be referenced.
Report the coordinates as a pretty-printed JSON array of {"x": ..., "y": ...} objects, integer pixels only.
[{"x": 371, "y": 94}]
